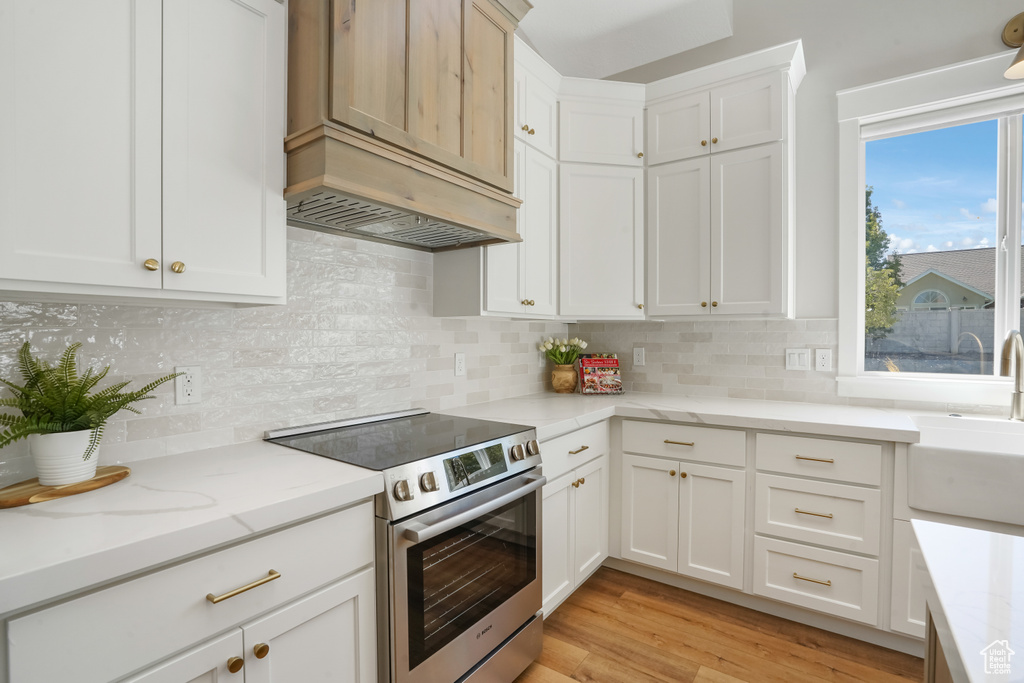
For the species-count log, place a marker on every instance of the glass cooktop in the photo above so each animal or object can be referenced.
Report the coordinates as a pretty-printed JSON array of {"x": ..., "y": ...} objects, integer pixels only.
[{"x": 384, "y": 444}]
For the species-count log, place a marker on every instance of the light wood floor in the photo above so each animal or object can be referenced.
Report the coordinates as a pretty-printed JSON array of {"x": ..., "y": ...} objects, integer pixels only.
[{"x": 619, "y": 628}]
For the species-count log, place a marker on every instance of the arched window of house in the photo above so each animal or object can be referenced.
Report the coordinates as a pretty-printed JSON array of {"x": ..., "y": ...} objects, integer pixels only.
[{"x": 931, "y": 300}]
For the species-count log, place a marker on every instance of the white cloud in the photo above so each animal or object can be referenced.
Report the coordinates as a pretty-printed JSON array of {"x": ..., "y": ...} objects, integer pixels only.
[
  {"x": 899, "y": 203},
  {"x": 905, "y": 244},
  {"x": 983, "y": 242},
  {"x": 967, "y": 242},
  {"x": 989, "y": 206},
  {"x": 931, "y": 247},
  {"x": 947, "y": 245},
  {"x": 965, "y": 213}
]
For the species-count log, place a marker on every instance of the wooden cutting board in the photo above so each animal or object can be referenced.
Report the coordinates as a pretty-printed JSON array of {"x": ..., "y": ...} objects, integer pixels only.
[{"x": 32, "y": 491}]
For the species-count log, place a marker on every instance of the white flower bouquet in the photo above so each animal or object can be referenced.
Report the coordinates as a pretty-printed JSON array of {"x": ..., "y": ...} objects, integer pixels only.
[{"x": 562, "y": 351}]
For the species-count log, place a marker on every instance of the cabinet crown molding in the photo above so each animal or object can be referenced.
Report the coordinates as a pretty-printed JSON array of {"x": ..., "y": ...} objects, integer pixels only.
[{"x": 788, "y": 56}]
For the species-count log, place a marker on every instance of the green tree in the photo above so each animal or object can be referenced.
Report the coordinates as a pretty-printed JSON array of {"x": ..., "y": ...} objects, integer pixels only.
[{"x": 883, "y": 279}]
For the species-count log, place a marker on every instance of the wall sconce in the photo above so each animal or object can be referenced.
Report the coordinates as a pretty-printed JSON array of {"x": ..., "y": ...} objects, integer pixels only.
[{"x": 1013, "y": 36}]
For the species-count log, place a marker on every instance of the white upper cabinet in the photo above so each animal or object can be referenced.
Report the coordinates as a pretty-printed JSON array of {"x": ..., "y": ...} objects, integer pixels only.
[
  {"x": 601, "y": 122},
  {"x": 740, "y": 114},
  {"x": 141, "y": 134},
  {"x": 536, "y": 96},
  {"x": 601, "y": 245}
]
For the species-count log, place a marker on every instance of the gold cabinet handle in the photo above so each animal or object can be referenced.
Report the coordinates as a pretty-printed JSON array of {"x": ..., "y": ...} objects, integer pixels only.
[
  {"x": 235, "y": 664},
  {"x": 525, "y": 302},
  {"x": 261, "y": 650},
  {"x": 531, "y": 131},
  {"x": 238, "y": 591},
  {"x": 639, "y": 155},
  {"x": 671, "y": 473},
  {"x": 576, "y": 484},
  {"x": 828, "y": 460},
  {"x": 583, "y": 480},
  {"x": 640, "y": 306},
  {"x": 703, "y": 304},
  {"x": 526, "y": 127},
  {"x": 679, "y": 443},
  {"x": 714, "y": 304},
  {"x": 151, "y": 264},
  {"x": 178, "y": 267},
  {"x": 703, "y": 143},
  {"x": 714, "y": 141},
  {"x": 532, "y": 302},
  {"x": 579, "y": 450},
  {"x": 826, "y": 515},
  {"x": 827, "y": 582},
  {"x": 682, "y": 475}
]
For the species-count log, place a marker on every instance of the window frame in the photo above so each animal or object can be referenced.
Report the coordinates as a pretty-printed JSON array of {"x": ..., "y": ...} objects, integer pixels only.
[{"x": 961, "y": 93}]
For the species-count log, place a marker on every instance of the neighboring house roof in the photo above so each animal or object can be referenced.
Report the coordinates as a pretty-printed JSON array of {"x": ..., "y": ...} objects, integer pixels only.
[{"x": 975, "y": 268}]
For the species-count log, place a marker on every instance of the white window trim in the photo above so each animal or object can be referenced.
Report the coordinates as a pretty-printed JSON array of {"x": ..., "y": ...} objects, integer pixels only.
[{"x": 969, "y": 90}]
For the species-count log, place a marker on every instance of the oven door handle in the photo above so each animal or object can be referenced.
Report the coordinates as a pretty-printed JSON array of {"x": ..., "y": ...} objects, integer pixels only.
[{"x": 417, "y": 533}]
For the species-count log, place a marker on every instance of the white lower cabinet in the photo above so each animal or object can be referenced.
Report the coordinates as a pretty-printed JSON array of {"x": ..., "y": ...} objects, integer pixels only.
[
  {"x": 909, "y": 577},
  {"x": 308, "y": 598},
  {"x": 684, "y": 517},
  {"x": 575, "y": 532}
]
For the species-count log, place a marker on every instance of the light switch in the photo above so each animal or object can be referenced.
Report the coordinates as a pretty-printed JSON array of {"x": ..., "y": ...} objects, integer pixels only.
[{"x": 798, "y": 359}]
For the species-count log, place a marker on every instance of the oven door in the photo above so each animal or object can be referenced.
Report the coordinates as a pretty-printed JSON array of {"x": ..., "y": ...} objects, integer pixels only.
[{"x": 464, "y": 577}]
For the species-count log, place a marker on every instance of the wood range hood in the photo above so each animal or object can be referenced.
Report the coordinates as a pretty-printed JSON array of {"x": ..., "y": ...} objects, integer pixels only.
[{"x": 400, "y": 120}]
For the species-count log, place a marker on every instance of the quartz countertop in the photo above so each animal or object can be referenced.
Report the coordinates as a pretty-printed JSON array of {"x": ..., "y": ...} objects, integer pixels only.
[
  {"x": 168, "y": 508},
  {"x": 976, "y": 598},
  {"x": 556, "y": 414}
]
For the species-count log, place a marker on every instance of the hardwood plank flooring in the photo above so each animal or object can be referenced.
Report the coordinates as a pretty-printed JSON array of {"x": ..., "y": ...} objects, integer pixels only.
[{"x": 620, "y": 628}]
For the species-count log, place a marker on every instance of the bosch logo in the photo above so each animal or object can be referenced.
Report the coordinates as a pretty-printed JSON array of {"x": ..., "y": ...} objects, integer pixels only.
[{"x": 484, "y": 631}]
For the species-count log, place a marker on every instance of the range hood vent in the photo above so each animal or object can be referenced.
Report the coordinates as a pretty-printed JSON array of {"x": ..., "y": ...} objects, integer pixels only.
[{"x": 336, "y": 213}]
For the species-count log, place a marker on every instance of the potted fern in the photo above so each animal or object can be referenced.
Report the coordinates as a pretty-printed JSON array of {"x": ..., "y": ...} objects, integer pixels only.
[{"x": 61, "y": 418}]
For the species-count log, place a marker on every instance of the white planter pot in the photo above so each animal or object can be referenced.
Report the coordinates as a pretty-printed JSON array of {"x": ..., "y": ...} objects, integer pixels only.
[{"x": 58, "y": 457}]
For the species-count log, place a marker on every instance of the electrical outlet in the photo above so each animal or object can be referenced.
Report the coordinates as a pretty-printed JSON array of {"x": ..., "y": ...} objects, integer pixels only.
[
  {"x": 638, "y": 356},
  {"x": 798, "y": 359},
  {"x": 823, "y": 360},
  {"x": 460, "y": 364},
  {"x": 188, "y": 386}
]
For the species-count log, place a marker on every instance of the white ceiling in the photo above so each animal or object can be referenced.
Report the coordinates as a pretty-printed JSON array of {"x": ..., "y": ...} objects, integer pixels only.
[{"x": 599, "y": 38}]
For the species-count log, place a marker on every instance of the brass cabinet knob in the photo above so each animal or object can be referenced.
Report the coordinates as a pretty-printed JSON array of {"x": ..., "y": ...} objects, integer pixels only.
[
  {"x": 531, "y": 132},
  {"x": 526, "y": 127},
  {"x": 682, "y": 475},
  {"x": 525, "y": 302},
  {"x": 640, "y": 306},
  {"x": 703, "y": 304},
  {"x": 235, "y": 664},
  {"x": 703, "y": 143},
  {"x": 261, "y": 650},
  {"x": 671, "y": 473},
  {"x": 714, "y": 141},
  {"x": 178, "y": 267},
  {"x": 151, "y": 264},
  {"x": 639, "y": 155},
  {"x": 532, "y": 302},
  {"x": 583, "y": 481},
  {"x": 576, "y": 484},
  {"x": 714, "y": 304}
]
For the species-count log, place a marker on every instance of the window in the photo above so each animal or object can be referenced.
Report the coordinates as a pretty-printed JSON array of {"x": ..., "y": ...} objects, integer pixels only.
[{"x": 931, "y": 167}]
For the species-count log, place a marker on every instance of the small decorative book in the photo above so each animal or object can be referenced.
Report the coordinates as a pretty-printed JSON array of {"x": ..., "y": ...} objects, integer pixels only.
[{"x": 599, "y": 374}]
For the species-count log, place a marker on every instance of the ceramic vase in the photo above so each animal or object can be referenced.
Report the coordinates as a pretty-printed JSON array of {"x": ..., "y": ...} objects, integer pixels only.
[
  {"x": 563, "y": 379},
  {"x": 58, "y": 457}
]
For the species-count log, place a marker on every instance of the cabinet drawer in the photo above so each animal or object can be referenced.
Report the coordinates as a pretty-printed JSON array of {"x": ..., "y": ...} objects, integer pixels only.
[
  {"x": 566, "y": 452},
  {"x": 703, "y": 444},
  {"x": 143, "y": 620},
  {"x": 857, "y": 463},
  {"x": 823, "y": 580},
  {"x": 836, "y": 515}
]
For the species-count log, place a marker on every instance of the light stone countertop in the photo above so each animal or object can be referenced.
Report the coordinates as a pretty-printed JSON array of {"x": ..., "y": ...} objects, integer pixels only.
[
  {"x": 976, "y": 597},
  {"x": 168, "y": 508},
  {"x": 556, "y": 414}
]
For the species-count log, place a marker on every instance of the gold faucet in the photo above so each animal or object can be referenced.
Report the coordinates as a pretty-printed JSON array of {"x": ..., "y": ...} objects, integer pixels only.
[{"x": 1013, "y": 348}]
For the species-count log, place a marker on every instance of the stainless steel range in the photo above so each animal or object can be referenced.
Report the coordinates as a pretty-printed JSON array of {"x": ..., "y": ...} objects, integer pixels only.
[{"x": 458, "y": 540}]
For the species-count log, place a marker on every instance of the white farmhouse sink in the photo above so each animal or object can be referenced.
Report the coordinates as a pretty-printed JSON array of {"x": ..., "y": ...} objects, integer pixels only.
[{"x": 973, "y": 467}]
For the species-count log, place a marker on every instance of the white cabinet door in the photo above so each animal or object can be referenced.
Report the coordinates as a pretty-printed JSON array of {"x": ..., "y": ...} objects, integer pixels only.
[
  {"x": 539, "y": 230},
  {"x": 601, "y": 132},
  {"x": 748, "y": 249},
  {"x": 650, "y": 511},
  {"x": 748, "y": 112},
  {"x": 591, "y": 528},
  {"x": 679, "y": 238},
  {"x": 223, "y": 166},
  {"x": 80, "y": 132},
  {"x": 206, "y": 663},
  {"x": 327, "y": 636},
  {"x": 679, "y": 128},
  {"x": 909, "y": 577},
  {"x": 712, "y": 501},
  {"x": 558, "y": 577},
  {"x": 536, "y": 112},
  {"x": 601, "y": 241},
  {"x": 503, "y": 263}
]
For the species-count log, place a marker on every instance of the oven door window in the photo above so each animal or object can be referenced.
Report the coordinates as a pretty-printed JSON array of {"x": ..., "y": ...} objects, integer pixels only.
[{"x": 459, "y": 577}]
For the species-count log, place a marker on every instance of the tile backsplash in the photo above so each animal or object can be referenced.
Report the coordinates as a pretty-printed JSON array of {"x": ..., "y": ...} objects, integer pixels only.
[{"x": 357, "y": 337}]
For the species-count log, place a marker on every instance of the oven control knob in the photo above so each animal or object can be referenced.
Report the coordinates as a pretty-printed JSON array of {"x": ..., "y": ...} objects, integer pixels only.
[
  {"x": 532, "y": 447},
  {"x": 517, "y": 452},
  {"x": 403, "y": 491},
  {"x": 428, "y": 482}
]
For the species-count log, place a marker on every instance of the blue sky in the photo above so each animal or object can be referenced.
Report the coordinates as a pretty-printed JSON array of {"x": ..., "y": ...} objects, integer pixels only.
[{"x": 936, "y": 190}]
